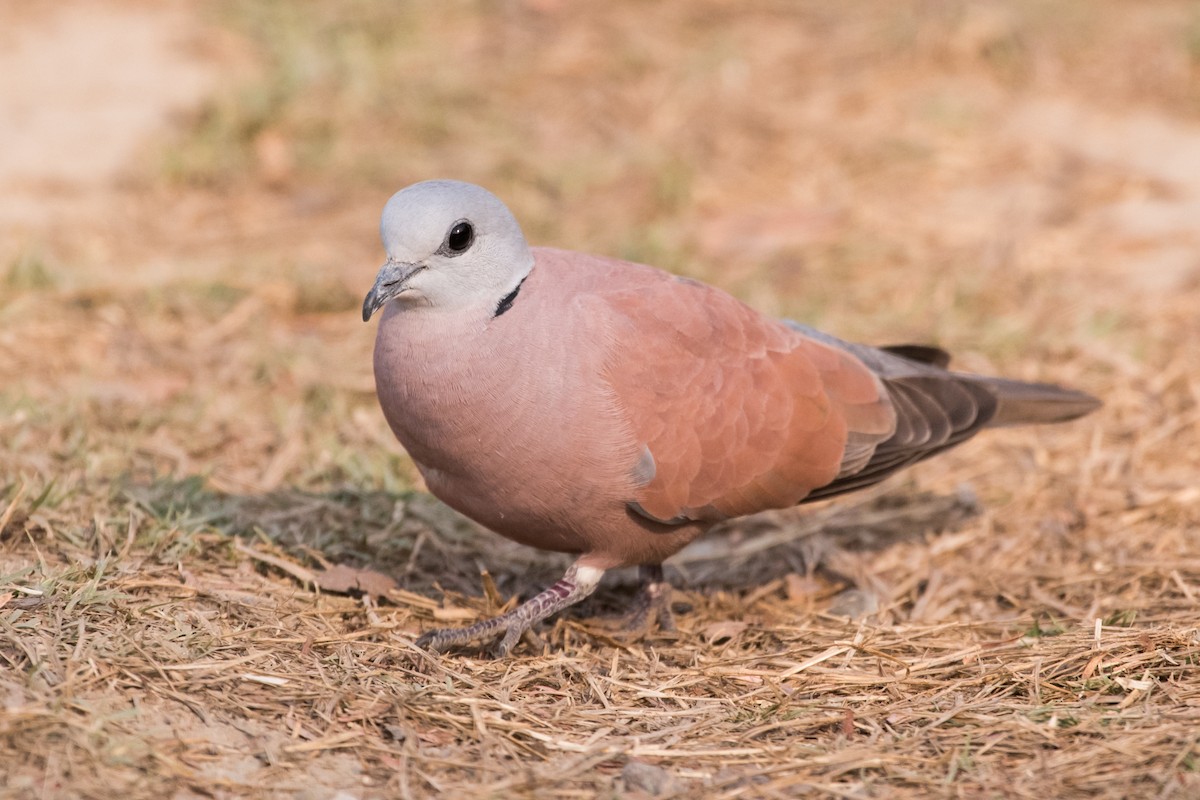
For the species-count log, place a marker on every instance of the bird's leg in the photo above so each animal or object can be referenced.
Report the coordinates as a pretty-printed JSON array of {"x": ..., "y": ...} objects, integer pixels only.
[
  {"x": 653, "y": 601},
  {"x": 577, "y": 583}
]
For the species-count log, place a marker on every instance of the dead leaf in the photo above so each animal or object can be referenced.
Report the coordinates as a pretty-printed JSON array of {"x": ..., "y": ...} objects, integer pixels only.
[
  {"x": 348, "y": 580},
  {"x": 26, "y": 603}
]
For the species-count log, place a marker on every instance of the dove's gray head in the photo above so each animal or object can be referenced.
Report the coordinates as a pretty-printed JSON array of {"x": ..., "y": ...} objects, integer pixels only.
[{"x": 450, "y": 245}]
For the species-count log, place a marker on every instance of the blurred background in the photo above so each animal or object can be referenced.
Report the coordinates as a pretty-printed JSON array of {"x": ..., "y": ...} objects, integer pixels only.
[{"x": 189, "y": 193}]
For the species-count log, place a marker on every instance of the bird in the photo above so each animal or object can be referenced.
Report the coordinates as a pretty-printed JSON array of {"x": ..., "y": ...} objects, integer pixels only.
[{"x": 611, "y": 410}]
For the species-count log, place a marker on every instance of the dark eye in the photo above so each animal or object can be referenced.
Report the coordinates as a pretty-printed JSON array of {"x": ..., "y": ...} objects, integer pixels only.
[{"x": 460, "y": 237}]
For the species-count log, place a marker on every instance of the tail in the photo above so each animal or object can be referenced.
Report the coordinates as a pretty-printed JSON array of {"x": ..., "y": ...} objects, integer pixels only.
[
  {"x": 1017, "y": 402},
  {"x": 1020, "y": 403},
  {"x": 937, "y": 409}
]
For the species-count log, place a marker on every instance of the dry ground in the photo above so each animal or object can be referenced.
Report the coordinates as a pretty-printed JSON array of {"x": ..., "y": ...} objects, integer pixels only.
[{"x": 189, "y": 430}]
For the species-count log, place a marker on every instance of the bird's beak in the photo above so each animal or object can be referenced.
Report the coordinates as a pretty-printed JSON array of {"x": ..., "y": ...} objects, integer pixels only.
[{"x": 390, "y": 282}]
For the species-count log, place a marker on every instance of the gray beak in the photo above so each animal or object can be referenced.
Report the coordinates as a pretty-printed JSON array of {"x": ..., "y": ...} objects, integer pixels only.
[{"x": 388, "y": 283}]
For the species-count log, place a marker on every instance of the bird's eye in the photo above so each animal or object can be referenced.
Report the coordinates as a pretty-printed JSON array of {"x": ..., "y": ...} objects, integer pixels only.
[{"x": 460, "y": 237}]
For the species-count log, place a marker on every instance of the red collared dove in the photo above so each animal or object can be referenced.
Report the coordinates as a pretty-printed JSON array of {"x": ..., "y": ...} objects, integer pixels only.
[{"x": 593, "y": 406}]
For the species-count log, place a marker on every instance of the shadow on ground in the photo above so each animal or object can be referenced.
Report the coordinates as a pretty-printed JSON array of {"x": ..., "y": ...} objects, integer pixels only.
[{"x": 429, "y": 549}]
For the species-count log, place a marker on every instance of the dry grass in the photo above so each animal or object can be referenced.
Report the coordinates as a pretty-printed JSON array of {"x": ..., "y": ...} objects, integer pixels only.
[{"x": 189, "y": 421}]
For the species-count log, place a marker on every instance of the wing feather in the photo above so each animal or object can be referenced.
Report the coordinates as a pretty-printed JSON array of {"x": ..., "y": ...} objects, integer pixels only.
[{"x": 740, "y": 412}]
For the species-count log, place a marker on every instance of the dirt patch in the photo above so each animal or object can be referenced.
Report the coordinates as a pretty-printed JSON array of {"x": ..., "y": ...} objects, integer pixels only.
[
  {"x": 87, "y": 85},
  {"x": 89, "y": 93}
]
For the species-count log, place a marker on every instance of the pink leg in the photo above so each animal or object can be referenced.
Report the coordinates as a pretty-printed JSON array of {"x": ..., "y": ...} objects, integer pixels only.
[{"x": 577, "y": 583}]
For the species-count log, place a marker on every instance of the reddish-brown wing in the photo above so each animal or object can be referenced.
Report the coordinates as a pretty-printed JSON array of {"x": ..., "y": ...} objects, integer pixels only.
[{"x": 738, "y": 412}]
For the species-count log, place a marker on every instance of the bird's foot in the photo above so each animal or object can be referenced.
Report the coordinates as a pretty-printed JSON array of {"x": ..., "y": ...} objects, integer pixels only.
[
  {"x": 440, "y": 640},
  {"x": 578, "y": 582},
  {"x": 653, "y": 604}
]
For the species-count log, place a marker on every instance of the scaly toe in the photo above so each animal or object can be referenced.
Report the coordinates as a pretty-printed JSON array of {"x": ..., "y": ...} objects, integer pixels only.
[
  {"x": 505, "y": 645},
  {"x": 432, "y": 640}
]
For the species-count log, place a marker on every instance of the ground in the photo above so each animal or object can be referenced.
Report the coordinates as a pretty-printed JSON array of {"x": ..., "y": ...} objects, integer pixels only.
[{"x": 191, "y": 440}]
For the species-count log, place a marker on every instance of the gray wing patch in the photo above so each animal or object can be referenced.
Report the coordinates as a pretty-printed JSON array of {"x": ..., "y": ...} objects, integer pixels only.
[
  {"x": 645, "y": 469},
  {"x": 896, "y": 361},
  {"x": 643, "y": 472}
]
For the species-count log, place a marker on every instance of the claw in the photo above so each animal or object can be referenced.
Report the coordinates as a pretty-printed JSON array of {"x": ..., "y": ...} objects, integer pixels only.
[{"x": 430, "y": 640}]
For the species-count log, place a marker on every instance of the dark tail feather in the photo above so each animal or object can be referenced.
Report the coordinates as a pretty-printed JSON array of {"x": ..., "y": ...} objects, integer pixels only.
[
  {"x": 1036, "y": 403},
  {"x": 923, "y": 353}
]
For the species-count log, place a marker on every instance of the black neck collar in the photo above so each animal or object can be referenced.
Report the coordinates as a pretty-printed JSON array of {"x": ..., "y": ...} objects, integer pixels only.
[{"x": 507, "y": 301}]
